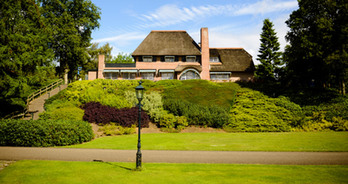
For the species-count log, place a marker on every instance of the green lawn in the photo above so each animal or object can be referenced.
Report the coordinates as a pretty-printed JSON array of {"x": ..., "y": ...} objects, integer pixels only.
[
  {"x": 98, "y": 172},
  {"x": 290, "y": 141}
]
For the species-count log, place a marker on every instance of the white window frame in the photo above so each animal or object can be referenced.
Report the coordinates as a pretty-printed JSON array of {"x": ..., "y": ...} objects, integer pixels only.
[
  {"x": 148, "y": 75},
  {"x": 191, "y": 59},
  {"x": 214, "y": 59},
  {"x": 128, "y": 76},
  {"x": 169, "y": 58},
  {"x": 184, "y": 74},
  {"x": 147, "y": 58},
  {"x": 111, "y": 75},
  {"x": 219, "y": 76},
  {"x": 167, "y": 75}
]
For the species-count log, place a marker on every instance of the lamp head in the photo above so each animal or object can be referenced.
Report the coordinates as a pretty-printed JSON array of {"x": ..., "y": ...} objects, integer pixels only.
[{"x": 139, "y": 91}]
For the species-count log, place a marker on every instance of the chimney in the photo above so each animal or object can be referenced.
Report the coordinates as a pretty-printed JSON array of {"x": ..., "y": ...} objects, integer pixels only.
[
  {"x": 101, "y": 66},
  {"x": 205, "y": 54}
]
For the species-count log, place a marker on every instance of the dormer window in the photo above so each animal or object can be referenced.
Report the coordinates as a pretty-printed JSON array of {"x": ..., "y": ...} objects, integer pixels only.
[
  {"x": 214, "y": 59},
  {"x": 169, "y": 58},
  {"x": 147, "y": 58},
  {"x": 191, "y": 59}
]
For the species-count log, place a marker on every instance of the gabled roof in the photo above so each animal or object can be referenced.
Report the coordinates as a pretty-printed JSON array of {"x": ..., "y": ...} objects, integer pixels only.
[
  {"x": 177, "y": 43},
  {"x": 232, "y": 59}
]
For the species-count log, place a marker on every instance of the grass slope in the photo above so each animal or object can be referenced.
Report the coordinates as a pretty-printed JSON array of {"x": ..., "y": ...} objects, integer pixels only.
[
  {"x": 204, "y": 93},
  {"x": 291, "y": 141},
  {"x": 95, "y": 172}
]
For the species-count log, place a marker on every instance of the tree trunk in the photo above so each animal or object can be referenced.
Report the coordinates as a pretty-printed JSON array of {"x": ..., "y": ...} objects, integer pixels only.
[{"x": 343, "y": 88}]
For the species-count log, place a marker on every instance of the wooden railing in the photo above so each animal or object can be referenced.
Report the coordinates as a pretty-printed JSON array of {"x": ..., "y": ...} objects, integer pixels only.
[
  {"x": 31, "y": 97},
  {"x": 42, "y": 91}
]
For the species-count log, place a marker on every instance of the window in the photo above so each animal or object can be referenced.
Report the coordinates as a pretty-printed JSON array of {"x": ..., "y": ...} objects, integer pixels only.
[
  {"x": 149, "y": 76},
  {"x": 214, "y": 59},
  {"x": 128, "y": 76},
  {"x": 167, "y": 76},
  {"x": 219, "y": 76},
  {"x": 147, "y": 58},
  {"x": 110, "y": 75},
  {"x": 189, "y": 74},
  {"x": 191, "y": 59},
  {"x": 169, "y": 58}
]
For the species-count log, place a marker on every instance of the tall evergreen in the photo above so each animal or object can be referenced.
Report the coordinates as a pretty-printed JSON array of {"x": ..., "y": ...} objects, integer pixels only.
[
  {"x": 32, "y": 34},
  {"x": 269, "y": 57},
  {"x": 23, "y": 52}
]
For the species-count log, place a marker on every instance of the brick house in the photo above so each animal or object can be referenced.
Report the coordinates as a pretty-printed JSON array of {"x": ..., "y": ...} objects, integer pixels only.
[{"x": 175, "y": 55}]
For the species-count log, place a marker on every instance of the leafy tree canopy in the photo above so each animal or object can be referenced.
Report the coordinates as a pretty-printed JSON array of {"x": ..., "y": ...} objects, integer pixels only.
[
  {"x": 70, "y": 23},
  {"x": 94, "y": 51},
  {"x": 122, "y": 58},
  {"x": 318, "y": 37}
]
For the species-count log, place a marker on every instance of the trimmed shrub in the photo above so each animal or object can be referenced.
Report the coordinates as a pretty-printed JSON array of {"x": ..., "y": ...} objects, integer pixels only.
[
  {"x": 106, "y": 92},
  {"x": 63, "y": 110},
  {"x": 65, "y": 113},
  {"x": 327, "y": 116},
  {"x": 126, "y": 117},
  {"x": 113, "y": 129},
  {"x": 167, "y": 120},
  {"x": 255, "y": 112},
  {"x": 211, "y": 116},
  {"x": 44, "y": 133}
]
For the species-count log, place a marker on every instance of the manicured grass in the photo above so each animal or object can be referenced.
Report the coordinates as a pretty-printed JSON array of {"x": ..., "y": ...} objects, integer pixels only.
[
  {"x": 290, "y": 141},
  {"x": 99, "y": 172}
]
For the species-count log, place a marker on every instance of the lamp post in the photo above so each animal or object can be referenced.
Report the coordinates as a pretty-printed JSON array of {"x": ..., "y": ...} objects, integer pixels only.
[{"x": 139, "y": 91}]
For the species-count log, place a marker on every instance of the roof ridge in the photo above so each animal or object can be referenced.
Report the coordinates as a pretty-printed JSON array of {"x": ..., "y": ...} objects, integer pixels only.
[
  {"x": 227, "y": 48},
  {"x": 168, "y": 31}
]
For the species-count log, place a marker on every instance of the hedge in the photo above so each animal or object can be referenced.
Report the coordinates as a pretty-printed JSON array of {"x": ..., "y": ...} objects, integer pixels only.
[
  {"x": 211, "y": 116},
  {"x": 44, "y": 133},
  {"x": 256, "y": 112}
]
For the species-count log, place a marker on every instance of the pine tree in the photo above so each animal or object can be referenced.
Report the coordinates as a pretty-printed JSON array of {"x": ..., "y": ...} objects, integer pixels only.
[
  {"x": 24, "y": 52},
  {"x": 269, "y": 56}
]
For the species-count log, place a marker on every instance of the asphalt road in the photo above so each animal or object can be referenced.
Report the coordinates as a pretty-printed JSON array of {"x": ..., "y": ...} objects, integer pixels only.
[{"x": 154, "y": 156}]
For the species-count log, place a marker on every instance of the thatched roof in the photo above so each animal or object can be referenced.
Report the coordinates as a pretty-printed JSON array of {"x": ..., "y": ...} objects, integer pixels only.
[
  {"x": 181, "y": 68},
  {"x": 232, "y": 59},
  {"x": 172, "y": 43}
]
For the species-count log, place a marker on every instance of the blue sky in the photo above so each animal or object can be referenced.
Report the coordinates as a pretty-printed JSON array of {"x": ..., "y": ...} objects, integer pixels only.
[{"x": 231, "y": 23}]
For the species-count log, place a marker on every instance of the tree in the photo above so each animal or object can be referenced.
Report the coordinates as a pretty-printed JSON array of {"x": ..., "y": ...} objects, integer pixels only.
[
  {"x": 71, "y": 23},
  {"x": 122, "y": 58},
  {"x": 24, "y": 52},
  {"x": 94, "y": 51},
  {"x": 269, "y": 56},
  {"x": 318, "y": 38}
]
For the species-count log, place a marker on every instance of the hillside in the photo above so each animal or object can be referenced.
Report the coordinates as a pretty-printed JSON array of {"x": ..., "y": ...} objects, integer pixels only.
[{"x": 173, "y": 104}]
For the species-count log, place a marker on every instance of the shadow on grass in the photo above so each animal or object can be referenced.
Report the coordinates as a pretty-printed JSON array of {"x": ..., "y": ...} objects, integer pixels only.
[{"x": 115, "y": 165}]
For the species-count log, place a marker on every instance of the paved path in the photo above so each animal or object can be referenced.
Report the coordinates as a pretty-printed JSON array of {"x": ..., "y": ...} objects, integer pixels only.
[
  {"x": 38, "y": 103},
  {"x": 153, "y": 156}
]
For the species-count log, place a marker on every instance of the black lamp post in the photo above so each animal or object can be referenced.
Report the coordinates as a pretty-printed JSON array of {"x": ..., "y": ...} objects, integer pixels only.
[{"x": 139, "y": 91}]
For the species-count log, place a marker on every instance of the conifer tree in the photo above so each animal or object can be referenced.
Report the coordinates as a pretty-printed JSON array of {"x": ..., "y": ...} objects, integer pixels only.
[{"x": 269, "y": 56}]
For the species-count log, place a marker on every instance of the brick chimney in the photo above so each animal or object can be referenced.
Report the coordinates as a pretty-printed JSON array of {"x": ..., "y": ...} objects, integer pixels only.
[
  {"x": 101, "y": 66},
  {"x": 205, "y": 54}
]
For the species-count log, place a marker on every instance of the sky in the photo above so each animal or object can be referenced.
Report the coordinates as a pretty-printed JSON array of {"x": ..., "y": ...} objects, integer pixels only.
[{"x": 124, "y": 24}]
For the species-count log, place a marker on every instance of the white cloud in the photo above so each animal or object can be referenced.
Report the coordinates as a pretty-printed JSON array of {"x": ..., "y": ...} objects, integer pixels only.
[
  {"x": 266, "y": 6},
  {"x": 171, "y": 14},
  {"x": 122, "y": 37}
]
